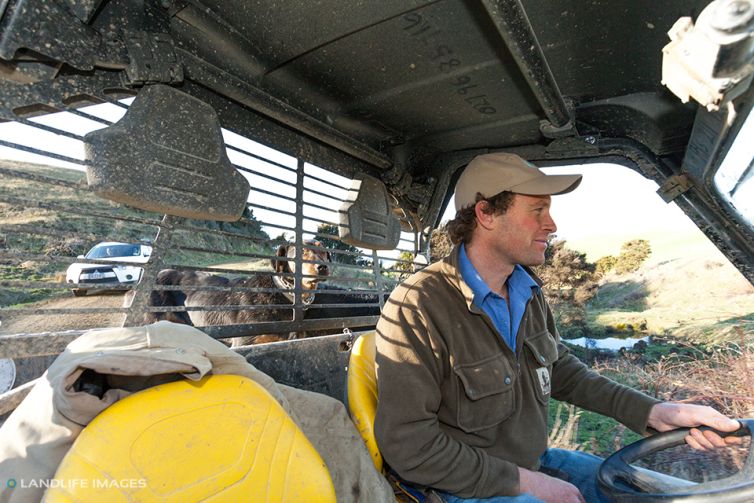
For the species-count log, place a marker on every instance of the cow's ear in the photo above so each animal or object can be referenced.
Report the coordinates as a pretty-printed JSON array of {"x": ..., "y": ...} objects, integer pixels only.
[{"x": 280, "y": 262}]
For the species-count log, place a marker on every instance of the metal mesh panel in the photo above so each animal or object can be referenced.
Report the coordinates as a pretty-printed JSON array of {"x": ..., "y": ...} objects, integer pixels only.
[{"x": 49, "y": 221}]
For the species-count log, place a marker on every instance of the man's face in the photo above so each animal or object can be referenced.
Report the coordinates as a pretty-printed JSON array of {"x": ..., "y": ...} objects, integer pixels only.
[{"x": 519, "y": 236}]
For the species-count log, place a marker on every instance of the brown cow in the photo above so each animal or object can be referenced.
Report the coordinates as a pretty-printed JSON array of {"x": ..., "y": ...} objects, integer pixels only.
[{"x": 231, "y": 296}]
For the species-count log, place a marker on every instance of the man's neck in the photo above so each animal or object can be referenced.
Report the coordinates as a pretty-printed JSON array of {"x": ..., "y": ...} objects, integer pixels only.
[{"x": 493, "y": 271}]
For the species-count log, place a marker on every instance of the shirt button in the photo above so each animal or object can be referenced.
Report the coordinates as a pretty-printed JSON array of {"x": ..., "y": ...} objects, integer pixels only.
[{"x": 507, "y": 380}]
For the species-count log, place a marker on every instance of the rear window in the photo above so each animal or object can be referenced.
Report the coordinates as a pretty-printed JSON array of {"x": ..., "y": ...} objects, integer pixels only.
[
  {"x": 48, "y": 217},
  {"x": 104, "y": 251}
]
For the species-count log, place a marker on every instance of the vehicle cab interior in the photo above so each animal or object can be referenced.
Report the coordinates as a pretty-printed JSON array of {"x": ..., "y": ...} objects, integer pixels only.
[{"x": 248, "y": 138}]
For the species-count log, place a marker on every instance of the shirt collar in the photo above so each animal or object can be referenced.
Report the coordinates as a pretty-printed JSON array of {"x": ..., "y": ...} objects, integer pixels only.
[{"x": 519, "y": 281}]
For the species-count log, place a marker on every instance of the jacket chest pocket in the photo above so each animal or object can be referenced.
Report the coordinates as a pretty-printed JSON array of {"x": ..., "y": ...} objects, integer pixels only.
[
  {"x": 486, "y": 395},
  {"x": 543, "y": 352}
]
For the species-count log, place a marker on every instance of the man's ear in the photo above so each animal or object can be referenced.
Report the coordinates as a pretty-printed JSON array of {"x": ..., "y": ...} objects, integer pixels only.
[{"x": 483, "y": 216}]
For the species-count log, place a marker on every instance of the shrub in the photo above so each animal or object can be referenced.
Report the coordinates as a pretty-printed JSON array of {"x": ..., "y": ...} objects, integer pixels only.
[
  {"x": 569, "y": 283},
  {"x": 605, "y": 264},
  {"x": 405, "y": 265},
  {"x": 325, "y": 233},
  {"x": 439, "y": 244},
  {"x": 632, "y": 255}
]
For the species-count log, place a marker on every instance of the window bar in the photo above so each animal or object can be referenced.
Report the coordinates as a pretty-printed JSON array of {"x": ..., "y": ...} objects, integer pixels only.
[{"x": 298, "y": 308}]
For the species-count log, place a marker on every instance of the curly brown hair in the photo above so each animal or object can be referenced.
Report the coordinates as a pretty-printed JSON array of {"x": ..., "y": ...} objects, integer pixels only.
[{"x": 461, "y": 228}]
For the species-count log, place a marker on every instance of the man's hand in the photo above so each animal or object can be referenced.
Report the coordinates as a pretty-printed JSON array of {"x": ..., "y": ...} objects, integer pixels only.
[
  {"x": 669, "y": 416},
  {"x": 548, "y": 488}
]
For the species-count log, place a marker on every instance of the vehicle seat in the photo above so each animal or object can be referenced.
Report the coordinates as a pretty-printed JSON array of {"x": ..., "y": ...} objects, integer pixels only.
[
  {"x": 223, "y": 438},
  {"x": 362, "y": 392},
  {"x": 362, "y": 405}
]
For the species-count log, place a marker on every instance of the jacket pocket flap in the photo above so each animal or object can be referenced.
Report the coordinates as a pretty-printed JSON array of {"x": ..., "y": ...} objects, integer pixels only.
[
  {"x": 544, "y": 348},
  {"x": 486, "y": 377}
]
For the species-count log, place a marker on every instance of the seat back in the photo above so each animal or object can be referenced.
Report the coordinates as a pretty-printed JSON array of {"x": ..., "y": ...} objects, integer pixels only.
[
  {"x": 366, "y": 216},
  {"x": 362, "y": 392},
  {"x": 223, "y": 438}
]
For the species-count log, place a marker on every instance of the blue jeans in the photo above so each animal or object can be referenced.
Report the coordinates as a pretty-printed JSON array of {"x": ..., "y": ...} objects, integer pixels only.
[{"x": 580, "y": 467}]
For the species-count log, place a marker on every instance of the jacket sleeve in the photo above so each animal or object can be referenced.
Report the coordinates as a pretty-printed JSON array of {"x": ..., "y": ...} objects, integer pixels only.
[
  {"x": 411, "y": 363},
  {"x": 574, "y": 382}
]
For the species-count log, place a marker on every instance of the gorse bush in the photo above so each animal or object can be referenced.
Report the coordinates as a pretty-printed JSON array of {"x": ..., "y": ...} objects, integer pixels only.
[
  {"x": 605, "y": 264},
  {"x": 569, "y": 283},
  {"x": 632, "y": 255},
  {"x": 439, "y": 244}
]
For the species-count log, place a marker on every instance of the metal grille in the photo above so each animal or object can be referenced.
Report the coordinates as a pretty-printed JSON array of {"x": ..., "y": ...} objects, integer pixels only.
[{"x": 49, "y": 220}]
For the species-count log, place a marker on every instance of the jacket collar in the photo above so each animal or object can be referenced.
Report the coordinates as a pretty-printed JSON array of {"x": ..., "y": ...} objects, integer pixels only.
[{"x": 451, "y": 270}]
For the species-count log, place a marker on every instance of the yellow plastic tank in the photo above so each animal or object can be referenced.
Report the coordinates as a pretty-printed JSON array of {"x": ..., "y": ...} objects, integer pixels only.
[{"x": 223, "y": 438}]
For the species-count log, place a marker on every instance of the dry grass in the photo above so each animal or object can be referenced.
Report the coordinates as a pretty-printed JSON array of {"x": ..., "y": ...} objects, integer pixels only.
[
  {"x": 696, "y": 299},
  {"x": 564, "y": 433},
  {"x": 721, "y": 378},
  {"x": 245, "y": 265},
  {"x": 724, "y": 380}
]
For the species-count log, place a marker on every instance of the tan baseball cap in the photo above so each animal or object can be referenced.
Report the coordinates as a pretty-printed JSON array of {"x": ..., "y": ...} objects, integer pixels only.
[{"x": 491, "y": 174}]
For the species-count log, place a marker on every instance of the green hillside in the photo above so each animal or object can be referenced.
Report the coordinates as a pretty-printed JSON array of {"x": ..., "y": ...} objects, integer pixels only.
[
  {"x": 686, "y": 289},
  {"x": 666, "y": 245},
  {"x": 54, "y": 223}
]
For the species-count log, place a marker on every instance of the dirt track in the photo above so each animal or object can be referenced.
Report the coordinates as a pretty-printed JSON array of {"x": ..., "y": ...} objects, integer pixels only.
[{"x": 36, "y": 323}]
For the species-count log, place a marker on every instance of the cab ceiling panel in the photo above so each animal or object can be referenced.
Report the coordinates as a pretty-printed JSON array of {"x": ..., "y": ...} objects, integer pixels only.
[
  {"x": 284, "y": 30},
  {"x": 427, "y": 79},
  {"x": 439, "y": 76},
  {"x": 444, "y": 67}
]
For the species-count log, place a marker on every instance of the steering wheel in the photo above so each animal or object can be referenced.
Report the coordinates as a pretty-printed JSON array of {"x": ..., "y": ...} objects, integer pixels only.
[{"x": 623, "y": 483}]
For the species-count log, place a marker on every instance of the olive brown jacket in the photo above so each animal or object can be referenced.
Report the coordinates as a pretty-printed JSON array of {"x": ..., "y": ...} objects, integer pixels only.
[{"x": 458, "y": 410}]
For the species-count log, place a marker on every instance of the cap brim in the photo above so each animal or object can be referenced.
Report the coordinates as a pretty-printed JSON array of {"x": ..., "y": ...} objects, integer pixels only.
[{"x": 547, "y": 185}]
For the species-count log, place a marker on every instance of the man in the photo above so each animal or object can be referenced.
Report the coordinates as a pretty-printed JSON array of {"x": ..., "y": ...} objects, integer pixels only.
[{"x": 468, "y": 356}]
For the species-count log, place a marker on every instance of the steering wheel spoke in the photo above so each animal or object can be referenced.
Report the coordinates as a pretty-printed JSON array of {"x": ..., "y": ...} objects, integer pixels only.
[{"x": 652, "y": 482}]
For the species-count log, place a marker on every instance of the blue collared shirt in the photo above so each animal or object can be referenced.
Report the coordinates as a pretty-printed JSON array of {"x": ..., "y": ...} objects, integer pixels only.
[{"x": 519, "y": 292}]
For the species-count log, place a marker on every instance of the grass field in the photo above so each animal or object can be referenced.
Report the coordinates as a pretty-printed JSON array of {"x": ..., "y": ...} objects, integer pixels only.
[
  {"x": 54, "y": 223},
  {"x": 686, "y": 289}
]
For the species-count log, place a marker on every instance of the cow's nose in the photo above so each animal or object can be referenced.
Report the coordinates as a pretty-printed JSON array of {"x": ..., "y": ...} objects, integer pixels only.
[{"x": 322, "y": 269}]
